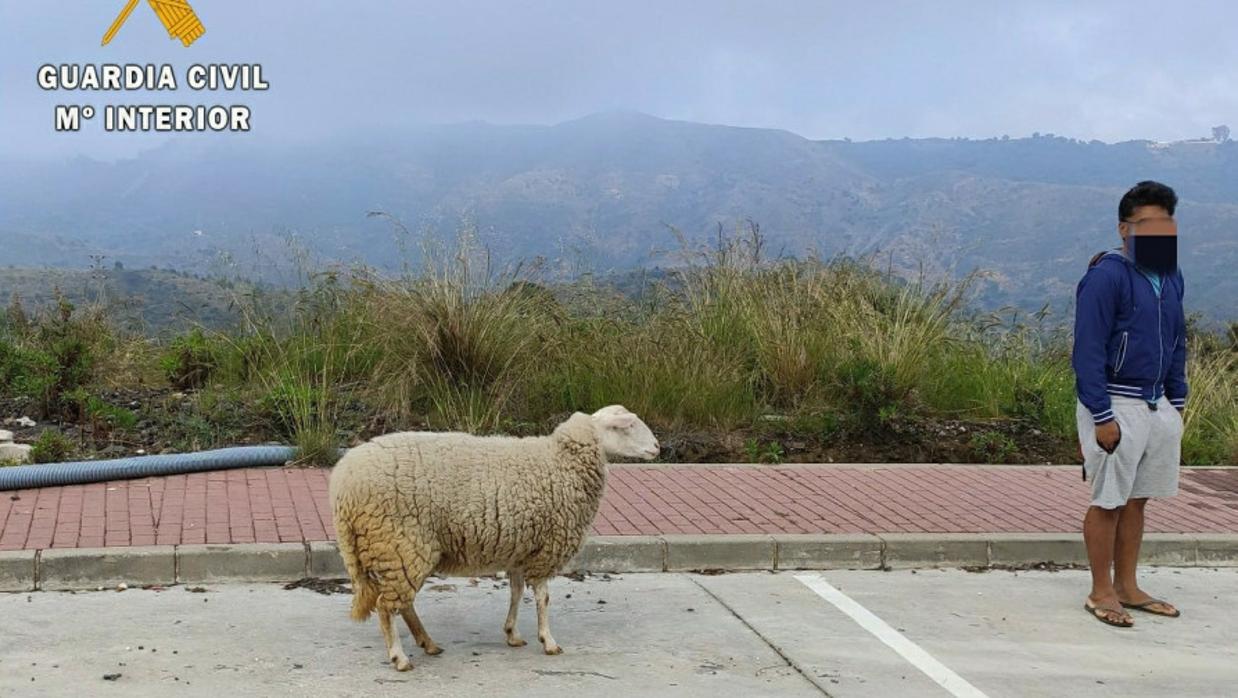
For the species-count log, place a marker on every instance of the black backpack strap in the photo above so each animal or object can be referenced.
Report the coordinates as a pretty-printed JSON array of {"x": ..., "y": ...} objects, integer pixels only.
[{"x": 1096, "y": 258}]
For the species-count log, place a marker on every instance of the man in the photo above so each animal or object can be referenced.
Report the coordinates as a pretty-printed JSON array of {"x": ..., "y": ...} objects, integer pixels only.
[{"x": 1130, "y": 377}]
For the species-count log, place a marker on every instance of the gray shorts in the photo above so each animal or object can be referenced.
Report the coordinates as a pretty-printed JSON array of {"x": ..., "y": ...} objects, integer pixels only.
[{"x": 1145, "y": 463}]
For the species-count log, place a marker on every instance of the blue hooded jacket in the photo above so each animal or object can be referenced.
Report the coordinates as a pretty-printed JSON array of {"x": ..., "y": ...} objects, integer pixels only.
[{"x": 1128, "y": 340}]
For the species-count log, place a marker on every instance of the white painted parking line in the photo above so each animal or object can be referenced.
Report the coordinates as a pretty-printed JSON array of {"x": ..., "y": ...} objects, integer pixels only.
[{"x": 913, "y": 653}]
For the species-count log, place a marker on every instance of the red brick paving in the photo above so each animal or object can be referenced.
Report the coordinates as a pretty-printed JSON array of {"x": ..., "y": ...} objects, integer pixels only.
[{"x": 272, "y": 505}]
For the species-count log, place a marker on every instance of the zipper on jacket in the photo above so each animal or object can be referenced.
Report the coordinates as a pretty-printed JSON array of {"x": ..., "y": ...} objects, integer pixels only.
[
  {"x": 1121, "y": 354},
  {"x": 1160, "y": 345}
]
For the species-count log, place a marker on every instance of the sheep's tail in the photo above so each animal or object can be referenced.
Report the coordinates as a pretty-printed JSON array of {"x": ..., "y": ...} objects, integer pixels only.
[{"x": 364, "y": 593}]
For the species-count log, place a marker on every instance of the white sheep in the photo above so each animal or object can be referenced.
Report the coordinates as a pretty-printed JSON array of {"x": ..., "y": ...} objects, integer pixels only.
[{"x": 411, "y": 504}]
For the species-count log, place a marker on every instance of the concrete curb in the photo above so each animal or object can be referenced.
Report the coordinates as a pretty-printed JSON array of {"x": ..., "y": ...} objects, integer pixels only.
[
  {"x": 68, "y": 569},
  {"x": 257, "y": 562},
  {"x": 918, "y": 550},
  {"x": 17, "y": 570}
]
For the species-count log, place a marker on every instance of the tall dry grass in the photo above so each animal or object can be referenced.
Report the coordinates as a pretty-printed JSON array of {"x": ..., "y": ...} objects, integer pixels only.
[{"x": 839, "y": 347}]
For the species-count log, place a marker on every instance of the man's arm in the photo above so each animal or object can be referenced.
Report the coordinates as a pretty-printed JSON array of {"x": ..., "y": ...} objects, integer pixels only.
[
  {"x": 1095, "y": 307},
  {"x": 1175, "y": 383}
]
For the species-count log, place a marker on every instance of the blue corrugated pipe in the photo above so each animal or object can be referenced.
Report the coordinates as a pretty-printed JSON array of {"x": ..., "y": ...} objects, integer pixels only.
[{"x": 24, "y": 477}]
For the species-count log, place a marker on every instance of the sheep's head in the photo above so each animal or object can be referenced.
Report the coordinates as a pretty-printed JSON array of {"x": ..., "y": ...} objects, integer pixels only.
[{"x": 623, "y": 435}]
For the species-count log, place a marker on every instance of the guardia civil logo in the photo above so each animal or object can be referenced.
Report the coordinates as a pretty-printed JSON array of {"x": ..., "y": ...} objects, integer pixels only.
[{"x": 177, "y": 16}]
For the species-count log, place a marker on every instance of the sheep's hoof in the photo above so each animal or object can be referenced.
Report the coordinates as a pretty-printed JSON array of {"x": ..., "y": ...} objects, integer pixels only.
[
  {"x": 515, "y": 641},
  {"x": 433, "y": 649},
  {"x": 553, "y": 650},
  {"x": 401, "y": 663}
]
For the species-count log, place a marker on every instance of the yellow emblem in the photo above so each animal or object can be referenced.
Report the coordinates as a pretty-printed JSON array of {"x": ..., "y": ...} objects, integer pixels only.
[{"x": 177, "y": 17}]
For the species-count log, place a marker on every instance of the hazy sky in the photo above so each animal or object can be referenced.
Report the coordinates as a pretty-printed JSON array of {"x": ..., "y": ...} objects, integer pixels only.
[{"x": 1106, "y": 70}]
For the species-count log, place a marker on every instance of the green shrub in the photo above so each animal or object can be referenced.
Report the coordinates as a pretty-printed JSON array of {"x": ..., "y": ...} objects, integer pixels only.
[
  {"x": 822, "y": 424},
  {"x": 1002, "y": 368},
  {"x": 659, "y": 369},
  {"x": 872, "y": 397},
  {"x": 289, "y": 403},
  {"x": 26, "y": 372},
  {"x": 71, "y": 341},
  {"x": 51, "y": 447},
  {"x": 190, "y": 361},
  {"x": 211, "y": 419},
  {"x": 1211, "y": 416},
  {"x": 103, "y": 417},
  {"x": 770, "y": 452},
  {"x": 992, "y": 447},
  {"x": 58, "y": 354}
]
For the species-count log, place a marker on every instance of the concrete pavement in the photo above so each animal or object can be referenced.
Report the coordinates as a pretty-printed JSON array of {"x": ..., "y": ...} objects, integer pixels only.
[{"x": 754, "y": 634}]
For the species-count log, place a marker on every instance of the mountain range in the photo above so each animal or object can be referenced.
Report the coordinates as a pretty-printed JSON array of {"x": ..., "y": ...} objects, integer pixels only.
[{"x": 603, "y": 194}]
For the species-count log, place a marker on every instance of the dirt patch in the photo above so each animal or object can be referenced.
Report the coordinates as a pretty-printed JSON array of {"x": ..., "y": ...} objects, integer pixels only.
[
  {"x": 925, "y": 440},
  {"x": 1026, "y": 567},
  {"x": 171, "y": 421},
  {"x": 326, "y": 587}
]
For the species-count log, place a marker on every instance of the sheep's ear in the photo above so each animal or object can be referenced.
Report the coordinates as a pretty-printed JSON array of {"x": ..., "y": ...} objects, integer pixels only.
[{"x": 617, "y": 421}]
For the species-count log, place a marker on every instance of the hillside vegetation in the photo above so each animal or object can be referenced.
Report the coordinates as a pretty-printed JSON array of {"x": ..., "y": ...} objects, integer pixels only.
[
  {"x": 146, "y": 301},
  {"x": 733, "y": 357},
  {"x": 598, "y": 194}
]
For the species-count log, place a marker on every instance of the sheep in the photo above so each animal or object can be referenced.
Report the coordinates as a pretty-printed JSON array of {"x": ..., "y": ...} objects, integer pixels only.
[{"x": 411, "y": 504}]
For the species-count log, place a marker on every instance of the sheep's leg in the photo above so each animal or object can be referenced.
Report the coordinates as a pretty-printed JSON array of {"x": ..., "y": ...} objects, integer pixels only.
[
  {"x": 395, "y": 651},
  {"x": 513, "y": 636},
  {"x": 542, "y": 593},
  {"x": 419, "y": 631}
]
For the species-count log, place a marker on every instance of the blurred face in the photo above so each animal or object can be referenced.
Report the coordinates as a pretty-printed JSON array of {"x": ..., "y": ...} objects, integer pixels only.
[{"x": 1150, "y": 235}]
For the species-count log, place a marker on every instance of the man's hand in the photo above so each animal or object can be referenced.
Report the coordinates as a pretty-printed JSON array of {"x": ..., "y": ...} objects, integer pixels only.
[{"x": 1108, "y": 435}]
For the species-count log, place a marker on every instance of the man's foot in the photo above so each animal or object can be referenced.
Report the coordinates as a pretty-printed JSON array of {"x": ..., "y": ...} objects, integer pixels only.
[
  {"x": 1108, "y": 612},
  {"x": 1141, "y": 601}
]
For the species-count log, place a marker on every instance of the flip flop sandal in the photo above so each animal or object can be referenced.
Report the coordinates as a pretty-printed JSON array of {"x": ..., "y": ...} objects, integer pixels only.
[
  {"x": 1100, "y": 614},
  {"x": 1146, "y": 607}
]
